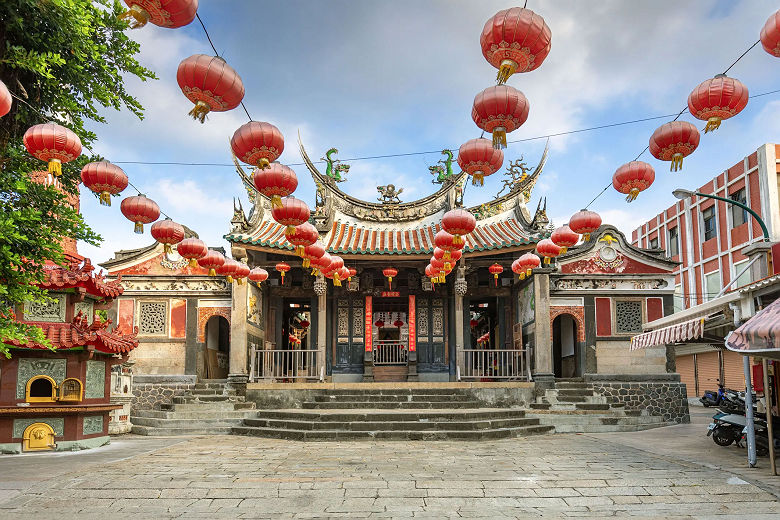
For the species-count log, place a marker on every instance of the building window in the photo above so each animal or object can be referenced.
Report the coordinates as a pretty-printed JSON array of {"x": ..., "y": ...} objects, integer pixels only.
[
  {"x": 673, "y": 243},
  {"x": 654, "y": 243},
  {"x": 41, "y": 389},
  {"x": 628, "y": 316},
  {"x": 708, "y": 220},
  {"x": 745, "y": 279},
  {"x": 712, "y": 285},
  {"x": 679, "y": 303},
  {"x": 738, "y": 215},
  {"x": 151, "y": 318}
]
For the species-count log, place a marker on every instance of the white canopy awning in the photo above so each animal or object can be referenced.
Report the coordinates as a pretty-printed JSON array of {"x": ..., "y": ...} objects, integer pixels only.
[{"x": 678, "y": 333}]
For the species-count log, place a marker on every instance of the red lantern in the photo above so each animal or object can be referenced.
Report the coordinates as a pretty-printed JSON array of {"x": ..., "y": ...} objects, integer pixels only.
[
  {"x": 448, "y": 257},
  {"x": 312, "y": 252},
  {"x": 633, "y": 177},
  {"x": 321, "y": 264},
  {"x": 717, "y": 99},
  {"x": 167, "y": 232},
  {"x": 258, "y": 144},
  {"x": 446, "y": 242},
  {"x": 515, "y": 40},
  {"x": 192, "y": 249},
  {"x": 104, "y": 178},
  {"x": 210, "y": 83},
  {"x": 389, "y": 272},
  {"x": 258, "y": 275},
  {"x": 528, "y": 262},
  {"x": 228, "y": 269},
  {"x": 275, "y": 182},
  {"x": 282, "y": 267},
  {"x": 495, "y": 270},
  {"x": 293, "y": 212},
  {"x": 303, "y": 235},
  {"x": 212, "y": 261},
  {"x": 547, "y": 249},
  {"x": 585, "y": 222},
  {"x": 770, "y": 35},
  {"x": 478, "y": 158},
  {"x": 565, "y": 238},
  {"x": 379, "y": 324},
  {"x": 673, "y": 142},
  {"x": 141, "y": 210},
  {"x": 398, "y": 324},
  {"x": 431, "y": 273},
  {"x": 352, "y": 272},
  {"x": 5, "y": 99},
  {"x": 52, "y": 143},
  {"x": 242, "y": 272},
  {"x": 164, "y": 13},
  {"x": 334, "y": 270},
  {"x": 344, "y": 274},
  {"x": 458, "y": 222},
  {"x": 439, "y": 269},
  {"x": 499, "y": 110}
]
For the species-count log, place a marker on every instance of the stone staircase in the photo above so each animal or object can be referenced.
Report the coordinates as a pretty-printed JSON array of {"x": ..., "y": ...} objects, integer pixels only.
[
  {"x": 210, "y": 408},
  {"x": 400, "y": 414},
  {"x": 574, "y": 407},
  {"x": 391, "y": 373}
]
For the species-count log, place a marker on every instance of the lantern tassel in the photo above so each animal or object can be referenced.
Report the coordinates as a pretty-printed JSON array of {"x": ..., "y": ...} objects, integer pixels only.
[
  {"x": 528, "y": 272},
  {"x": 290, "y": 231},
  {"x": 300, "y": 252},
  {"x": 105, "y": 198},
  {"x": 713, "y": 124},
  {"x": 282, "y": 277},
  {"x": 136, "y": 17},
  {"x": 495, "y": 276},
  {"x": 193, "y": 263},
  {"x": 306, "y": 263},
  {"x": 263, "y": 163},
  {"x": 55, "y": 167},
  {"x": 336, "y": 280},
  {"x": 586, "y": 237},
  {"x": 522, "y": 276},
  {"x": 229, "y": 279},
  {"x": 276, "y": 201},
  {"x": 314, "y": 272},
  {"x": 199, "y": 111},
  {"x": 499, "y": 138},
  {"x": 167, "y": 249},
  {"x": 447, "y": 257},
  {"x": 677, "y": 162},
  {"x": 139, "y": 228},
  {"x": 632, "y": 195},
  {"x": 564, "y": 249},
  {"x": 507, "y": 68},
  {"x": 478, "y": 180},
  {"x": 546, "y": 260},
  {"x": 240, "y": 281},
  {"x": 212, "y": 272}
]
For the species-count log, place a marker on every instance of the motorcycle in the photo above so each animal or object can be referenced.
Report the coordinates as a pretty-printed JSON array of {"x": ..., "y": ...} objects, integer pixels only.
[
  {"x": 727, "y": 428},
  {"x": 712, "y": 398}
]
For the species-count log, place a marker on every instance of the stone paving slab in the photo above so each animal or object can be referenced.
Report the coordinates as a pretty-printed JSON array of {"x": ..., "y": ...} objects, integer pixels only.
[{"x": 217, "y": 477}]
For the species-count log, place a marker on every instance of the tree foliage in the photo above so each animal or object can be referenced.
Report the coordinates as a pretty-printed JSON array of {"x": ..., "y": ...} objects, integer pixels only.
[{"x": 66, "y": 60}]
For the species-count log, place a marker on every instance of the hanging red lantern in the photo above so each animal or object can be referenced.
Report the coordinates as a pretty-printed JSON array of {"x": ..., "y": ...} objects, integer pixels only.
[
  {"x": 312, "y": 252},
  {"x": 495, "y": 270},
  {"x": 515, "y": 40},
  {"x": 167, "y": 232},
  {"x": 53, "y": 144},
  {"x": 141, "y": 210},
  {"x": 242, "y": 273},
  {"x": 257, "y": 143},
  {"x": 438, "y": 268},
  {"x": 320, "y": 265},
  {"x": 500, "y": 110},
  {"x": 446, "y": 242},
  {"x": 352, "y": 272},
  {"x": 228, "y": 269},
  {"x": 379, "y": 324},
  {"x": 212, "y": 261},
  {"x": 333, "y": 270},
  {"x": 105, "y": 179},
  {"x": 478, "y": 158},
  {"x": 192, "y": 249},
  {"x": 293, "y": 212},
  {"x": 210, "y": 83},
  {"x": 673, "y": 142},
  {"x": 529, "y": 262},
  {"x": 6, "y": 100},
  {"x": 275, "y": 182},
  {"x": 585, "y": 222},
  {"x": 547, "y": 249},
  {"x": 633, "y": 177},
  {"x": 770, "y": 35},
  {"x": 344, "y": 274},
  {"x": 258, "y": 275},
  {"x": 448, "y": 257},
  {"x": 458, "y": 222},
  {"x": 431, "y": 273},
  {"x": 398, "y": 324},
  {"x": 282, "y": 268},
  {"x": 389, "y": 272},
  {"x": 565, "y": 238},
  {"x": 716, "y": 99},
  {"x": 163, "y": 13},
  {"x": 304, "y": 235}
]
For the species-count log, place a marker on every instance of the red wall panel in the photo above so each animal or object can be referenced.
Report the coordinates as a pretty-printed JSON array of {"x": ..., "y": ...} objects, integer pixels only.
[
  {"x": 655, "y": 309},
  {"x": 603, "y": 317}
]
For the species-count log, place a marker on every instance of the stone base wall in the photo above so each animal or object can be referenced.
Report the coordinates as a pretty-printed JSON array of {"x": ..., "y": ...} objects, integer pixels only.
[
  {"x": 149, "y": 392},
  {"x": 663, "y": 396}
]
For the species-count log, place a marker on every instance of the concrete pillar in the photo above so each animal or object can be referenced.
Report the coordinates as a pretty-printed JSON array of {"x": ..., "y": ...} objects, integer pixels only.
[
  {"x": 322, "y": 323},
  {"x": 543, "y": 356},
  {"x": 461, "y": 288},
  {"x": 237, "y": 372}
]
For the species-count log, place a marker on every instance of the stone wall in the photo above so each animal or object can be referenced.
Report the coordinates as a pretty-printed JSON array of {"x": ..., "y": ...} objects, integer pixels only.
[
  {"x": 616, "y": 357},
  {"x": 159, "y": 357},
  {"x": 150, "y": 392},
  {"x": 662, "y": 395}
]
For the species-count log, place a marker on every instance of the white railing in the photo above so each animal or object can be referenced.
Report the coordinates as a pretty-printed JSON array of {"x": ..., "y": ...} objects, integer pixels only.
[
  {"x": 494, "y": 364},
  {"x": 390, "y": 352},
  {"x": 283, "y": 365}
]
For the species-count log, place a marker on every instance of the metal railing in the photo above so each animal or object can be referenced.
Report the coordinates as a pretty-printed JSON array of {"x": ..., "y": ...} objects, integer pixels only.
[
  {"x": 494, "y": 364},
  {"x": 390, "y": 352},
  {"x": 283, "y": 365}
]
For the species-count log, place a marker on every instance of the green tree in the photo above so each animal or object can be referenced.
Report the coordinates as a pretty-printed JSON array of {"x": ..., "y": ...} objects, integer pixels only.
[{"x": 66, "y": 60}]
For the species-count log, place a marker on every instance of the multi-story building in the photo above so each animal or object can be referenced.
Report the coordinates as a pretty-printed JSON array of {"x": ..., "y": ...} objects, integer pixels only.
[{"x": 708, "y": 237}]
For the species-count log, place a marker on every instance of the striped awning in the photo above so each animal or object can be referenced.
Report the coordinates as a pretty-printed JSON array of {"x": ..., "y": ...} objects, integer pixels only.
[
  {"x": 760, "y": 334},
  {"x": 679, "y": 333}
]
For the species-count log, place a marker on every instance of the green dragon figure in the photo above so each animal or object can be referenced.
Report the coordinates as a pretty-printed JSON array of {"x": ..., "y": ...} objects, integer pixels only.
[
  {"x": 335, "y": 168},
  {"x": 443, "y": 169}
]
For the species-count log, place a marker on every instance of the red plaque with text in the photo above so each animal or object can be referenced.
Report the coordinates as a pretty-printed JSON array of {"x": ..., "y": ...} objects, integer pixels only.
[
  {"x": 369, "y": 323},
  {"x": 412, "y": 324}
]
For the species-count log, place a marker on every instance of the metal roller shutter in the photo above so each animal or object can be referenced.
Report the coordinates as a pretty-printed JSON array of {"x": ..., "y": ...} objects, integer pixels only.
[
  {"x": 687, "y": 373},
  {"x": 709, "y": 371},
  {"x": 733, "y": 372}
]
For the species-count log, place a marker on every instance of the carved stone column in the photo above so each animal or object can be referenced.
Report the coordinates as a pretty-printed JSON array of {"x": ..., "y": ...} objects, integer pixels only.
[
  {"x": 543, "y": 358},
  {"x": 237, "y": 372},
  {"x": 461, "y": 288},
  {"x": 321, "y": 290}
]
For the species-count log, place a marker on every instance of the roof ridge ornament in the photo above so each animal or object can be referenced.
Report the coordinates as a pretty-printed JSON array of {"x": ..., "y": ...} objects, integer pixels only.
[{"x": 335, "y": 168}]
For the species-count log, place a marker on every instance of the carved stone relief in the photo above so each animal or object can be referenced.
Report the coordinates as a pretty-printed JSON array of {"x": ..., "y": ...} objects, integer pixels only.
[
  {"x": 57, "y": 424},
  {"x": 628, "y": 316},
  {"x": 49, "y": 311},
  {"x": 92, "y": 424},
  {"x": 29, "y": 367},
  {"x": 598, "y": 284},
  {"x": 151, "y": 318},
  {"x": 176, "y": 285},
  {"x": 95, "y": 386}
]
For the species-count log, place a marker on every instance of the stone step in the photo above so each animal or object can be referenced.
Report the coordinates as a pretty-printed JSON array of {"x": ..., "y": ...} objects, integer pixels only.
[
  {"x": 594, "y": 419},
  {"x": 398, "y": 391},
  {"x": 206, "y": 398},
  {"x": 561, "y": 385},
  {"x": 186, "y": 423},
  {"x": 604, "y": 424},
  {"x": 387, "y": 405},
  {"x": 219, "y": 405},
  {"x": 202, "y": 386},
  {"x": 171, "y": 432},
  {"x": 389, "y": 425},
  {"x": 440, "y": 398},
  {"x": 372, "y": 415},
  {"x": 195, "y": 414},
  {"x": 576, "y": 392},
  {"x": 210, "y": 391},
  {"x": 554, "y": 409},
  {"x": 405, "y": 435}
]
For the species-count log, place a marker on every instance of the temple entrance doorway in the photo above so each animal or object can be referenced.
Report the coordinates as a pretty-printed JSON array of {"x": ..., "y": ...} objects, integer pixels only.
[
  {"x": 294, "y": 357},
  {"x": 484, "y": 360},
  {"x": 564, "y": 339},
  {"x": 391, "y": 343},
  {"x": 217, "y": 353}
]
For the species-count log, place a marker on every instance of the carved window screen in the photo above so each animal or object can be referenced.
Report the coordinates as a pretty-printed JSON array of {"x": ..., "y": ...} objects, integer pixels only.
[
  {"x": 71, "y": 390},
  {"x": 151, "y": 318},
  {"x": 628, "y": 316}
]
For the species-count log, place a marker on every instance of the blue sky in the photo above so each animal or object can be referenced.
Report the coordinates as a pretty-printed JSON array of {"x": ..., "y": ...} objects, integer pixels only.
[{"x": 380, "y": 77}]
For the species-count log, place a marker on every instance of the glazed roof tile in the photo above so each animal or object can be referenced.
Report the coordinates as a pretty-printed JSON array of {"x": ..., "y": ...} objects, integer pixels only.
[
  {"x": 62, "y": 277},
  {"x": 79, "y": 333}
]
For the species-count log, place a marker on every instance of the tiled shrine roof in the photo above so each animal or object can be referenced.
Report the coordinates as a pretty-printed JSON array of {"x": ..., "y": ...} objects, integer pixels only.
[{"x": 60, "y": 277}]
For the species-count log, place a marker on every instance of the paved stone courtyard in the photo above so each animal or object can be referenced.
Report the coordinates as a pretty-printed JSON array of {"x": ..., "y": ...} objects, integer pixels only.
[{"x": 240, "y": 477}]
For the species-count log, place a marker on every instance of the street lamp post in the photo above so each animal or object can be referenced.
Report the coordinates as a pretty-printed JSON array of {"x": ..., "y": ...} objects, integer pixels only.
[{"x": 684, "y": 194}]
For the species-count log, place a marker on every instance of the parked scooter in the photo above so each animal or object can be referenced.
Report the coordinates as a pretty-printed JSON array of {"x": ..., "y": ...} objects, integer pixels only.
[
  {"x": 726, "y": 428},
  {"x": 712, "y": 398}
]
